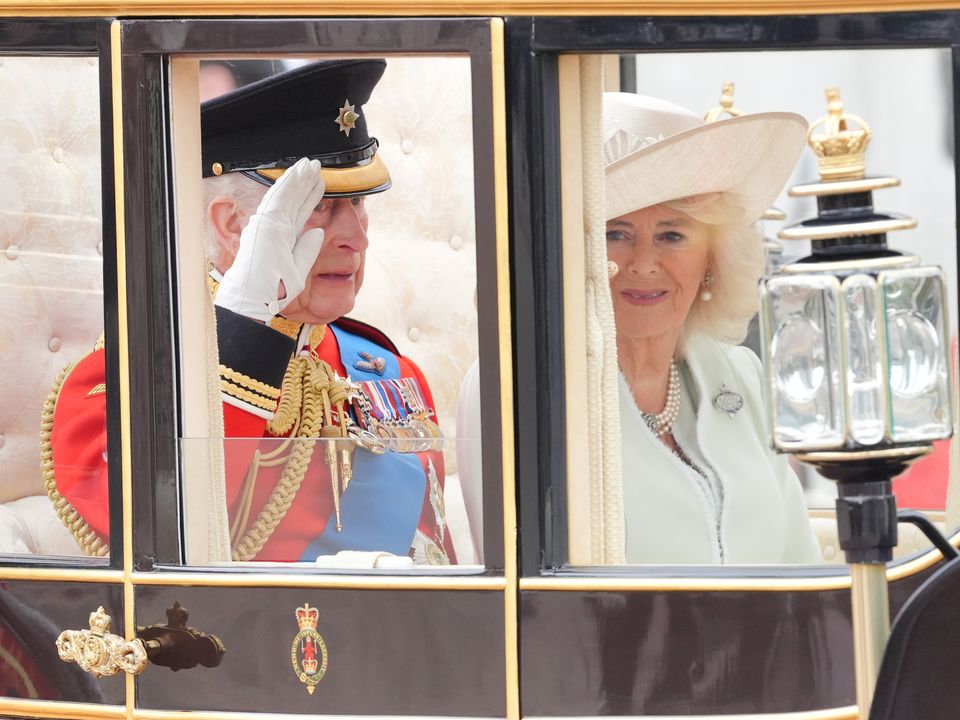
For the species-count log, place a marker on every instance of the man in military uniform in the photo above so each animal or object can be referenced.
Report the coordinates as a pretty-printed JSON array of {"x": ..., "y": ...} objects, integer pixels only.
[{"x": 287, "y": 164}]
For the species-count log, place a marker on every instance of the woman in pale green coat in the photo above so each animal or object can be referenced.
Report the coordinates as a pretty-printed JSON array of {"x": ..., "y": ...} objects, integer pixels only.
[{"x": 701, "y": 484}]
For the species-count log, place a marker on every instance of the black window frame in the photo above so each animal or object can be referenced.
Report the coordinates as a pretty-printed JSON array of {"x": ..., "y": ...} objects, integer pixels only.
[
  {"x": 533, "y": 46},
  {"x": 151, "y": 246}
]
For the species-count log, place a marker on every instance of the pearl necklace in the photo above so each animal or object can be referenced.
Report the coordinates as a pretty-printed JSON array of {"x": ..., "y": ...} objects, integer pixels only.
[{"x": 662, "y": 422}]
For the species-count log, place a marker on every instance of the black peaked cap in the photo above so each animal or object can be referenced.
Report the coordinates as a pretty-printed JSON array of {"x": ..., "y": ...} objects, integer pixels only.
[
  {"x": 245, "y": 72},
  {"x": 268, "y": 125}
]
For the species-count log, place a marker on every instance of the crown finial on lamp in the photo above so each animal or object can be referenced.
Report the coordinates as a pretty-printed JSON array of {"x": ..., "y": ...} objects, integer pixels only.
[
  {"x": 725, "y": 106},
  {"x": 840, "y": 149}
]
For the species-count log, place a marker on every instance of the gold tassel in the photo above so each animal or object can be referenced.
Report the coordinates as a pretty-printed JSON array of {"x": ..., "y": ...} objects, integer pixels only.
[{"x": 310, "y": 392}]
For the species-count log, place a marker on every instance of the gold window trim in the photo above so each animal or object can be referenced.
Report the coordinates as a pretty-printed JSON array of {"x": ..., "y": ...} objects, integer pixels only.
[
  {"x": 79, "y": 711},
  {"x": 395, "y": 8}
]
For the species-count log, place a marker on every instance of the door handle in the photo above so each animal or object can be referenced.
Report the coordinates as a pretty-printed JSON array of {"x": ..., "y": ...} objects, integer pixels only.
[
  {"x": 179, "y": 647},
  {"x": 173, "y": 645},
  {"x": 99, "y": 651}
]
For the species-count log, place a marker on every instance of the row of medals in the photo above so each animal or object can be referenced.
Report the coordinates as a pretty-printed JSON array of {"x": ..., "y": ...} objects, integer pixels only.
[{"x": 411, "y": 434}]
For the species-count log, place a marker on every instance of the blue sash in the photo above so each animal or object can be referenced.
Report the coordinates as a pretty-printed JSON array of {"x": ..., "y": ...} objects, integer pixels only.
[{"x": 381, "y": 507}]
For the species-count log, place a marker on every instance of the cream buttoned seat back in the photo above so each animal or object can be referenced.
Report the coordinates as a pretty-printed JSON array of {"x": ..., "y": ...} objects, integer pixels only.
[
  {"x": 420, "y": 275},
  {"x": 51, "y": 269}
]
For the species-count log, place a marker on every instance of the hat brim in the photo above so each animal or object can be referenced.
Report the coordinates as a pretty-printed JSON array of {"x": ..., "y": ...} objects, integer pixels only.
[
  {"x": 750, "y": 156},
  {"x": 366, "y": 179}
]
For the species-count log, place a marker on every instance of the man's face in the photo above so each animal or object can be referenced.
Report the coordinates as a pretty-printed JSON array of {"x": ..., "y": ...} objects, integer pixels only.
[{"x": 337, "y": 273}]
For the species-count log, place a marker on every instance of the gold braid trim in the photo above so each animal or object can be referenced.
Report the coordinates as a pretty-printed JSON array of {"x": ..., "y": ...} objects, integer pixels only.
[
  {"x": 238, "y": 392},
  {"x": 291, "y": 398},
  {"x": 301, "y": 399},
  {"x": 249, "y": 383},
  {"x": 311, "y": 391},
  {"x": 89, "y": 541},
  {"x": 290, "y": 328}
]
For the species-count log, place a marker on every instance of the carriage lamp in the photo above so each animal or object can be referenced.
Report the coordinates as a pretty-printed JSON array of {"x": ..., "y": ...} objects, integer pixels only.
[
  {"x": 773, "y": 247},
  {"x": 725, "y": 108},
  {"x": 856, "y": 355}
]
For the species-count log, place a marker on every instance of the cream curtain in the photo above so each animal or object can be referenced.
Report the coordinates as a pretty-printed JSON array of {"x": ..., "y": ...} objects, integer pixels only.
[{"x": 603, "y": 407}]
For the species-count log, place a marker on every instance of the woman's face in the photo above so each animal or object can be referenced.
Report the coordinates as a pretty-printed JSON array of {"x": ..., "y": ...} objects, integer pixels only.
[{"x": 663, "y": 255}]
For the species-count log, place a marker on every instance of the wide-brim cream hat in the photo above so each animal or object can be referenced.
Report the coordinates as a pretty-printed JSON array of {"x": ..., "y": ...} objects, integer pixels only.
[{"x": 655, "y": 151}]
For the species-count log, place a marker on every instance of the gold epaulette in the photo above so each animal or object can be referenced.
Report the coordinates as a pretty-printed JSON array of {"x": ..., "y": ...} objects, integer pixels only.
[{"x": 89, "y": 541}]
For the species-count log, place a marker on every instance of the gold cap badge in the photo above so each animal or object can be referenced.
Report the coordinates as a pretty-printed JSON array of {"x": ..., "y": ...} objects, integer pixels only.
[{"x": 347, "y": 119}]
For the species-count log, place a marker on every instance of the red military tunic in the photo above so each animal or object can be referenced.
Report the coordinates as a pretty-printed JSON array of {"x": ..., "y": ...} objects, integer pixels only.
[{"x": 78, "y": 442}]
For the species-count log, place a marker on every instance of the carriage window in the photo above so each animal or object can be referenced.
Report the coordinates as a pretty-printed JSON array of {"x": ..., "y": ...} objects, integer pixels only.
[
  {"x": 700, "y": 485},
  {"x": 333, "y": 340},
  {"x": 53, "y": 495}
]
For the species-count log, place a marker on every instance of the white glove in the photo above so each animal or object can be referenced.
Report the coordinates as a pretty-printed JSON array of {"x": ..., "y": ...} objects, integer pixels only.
[
  {"x": 274, "y": 248},
  {"x": 365, "y": 560}
]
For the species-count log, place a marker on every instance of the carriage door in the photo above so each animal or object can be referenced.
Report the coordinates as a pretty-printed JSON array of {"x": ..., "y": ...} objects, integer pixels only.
[
  {"x": 599, "y": 635},
  {"x": 266, "y": 569}
]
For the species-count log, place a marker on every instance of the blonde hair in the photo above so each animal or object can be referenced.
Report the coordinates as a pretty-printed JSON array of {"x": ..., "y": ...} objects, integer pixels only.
[{"x": 737, "y": 260}]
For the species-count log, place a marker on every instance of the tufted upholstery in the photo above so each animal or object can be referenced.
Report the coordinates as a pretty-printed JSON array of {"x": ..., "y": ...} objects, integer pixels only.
[
  {"x": 420, "y": 277},
  {"x": 420, "y": 271},
  {"x": 51, "y": 300},
  {"x": 420, "y": 274}
]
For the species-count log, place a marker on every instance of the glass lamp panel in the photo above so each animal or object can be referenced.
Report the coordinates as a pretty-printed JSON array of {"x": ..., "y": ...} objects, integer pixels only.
[
  {"x": 918, "y": 359},
  {"x": 865, "y": 379},
  {"x": 802, "y": 355}
]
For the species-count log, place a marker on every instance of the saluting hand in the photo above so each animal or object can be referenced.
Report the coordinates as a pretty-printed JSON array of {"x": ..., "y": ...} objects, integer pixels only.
[{"x": 275, "y": 255}]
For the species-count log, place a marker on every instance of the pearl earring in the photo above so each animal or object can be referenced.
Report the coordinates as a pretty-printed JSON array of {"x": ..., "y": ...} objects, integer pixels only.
[
  {"x": 706, "y": 295},
  {"x": 612, "y": 269}
]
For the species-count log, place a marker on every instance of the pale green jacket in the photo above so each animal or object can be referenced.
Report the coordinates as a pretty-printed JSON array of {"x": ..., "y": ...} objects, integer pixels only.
[{"x": 750, "y": 510}]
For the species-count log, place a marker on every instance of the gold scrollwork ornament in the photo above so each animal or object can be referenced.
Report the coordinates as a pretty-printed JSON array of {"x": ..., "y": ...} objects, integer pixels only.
[{"x": 100, "y": 652}]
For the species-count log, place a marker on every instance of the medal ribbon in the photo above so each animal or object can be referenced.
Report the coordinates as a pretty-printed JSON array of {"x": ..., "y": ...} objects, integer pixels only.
[
  {"x": 380, "y": 405},
  {"x": 416, "y": 395},
  {"x": 393, "y": 387}
]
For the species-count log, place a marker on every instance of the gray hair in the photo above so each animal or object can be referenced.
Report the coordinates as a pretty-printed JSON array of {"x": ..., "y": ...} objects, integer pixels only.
[
  {"x": 243, "y": 191},
  {"x": 737, "y": 261}
]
